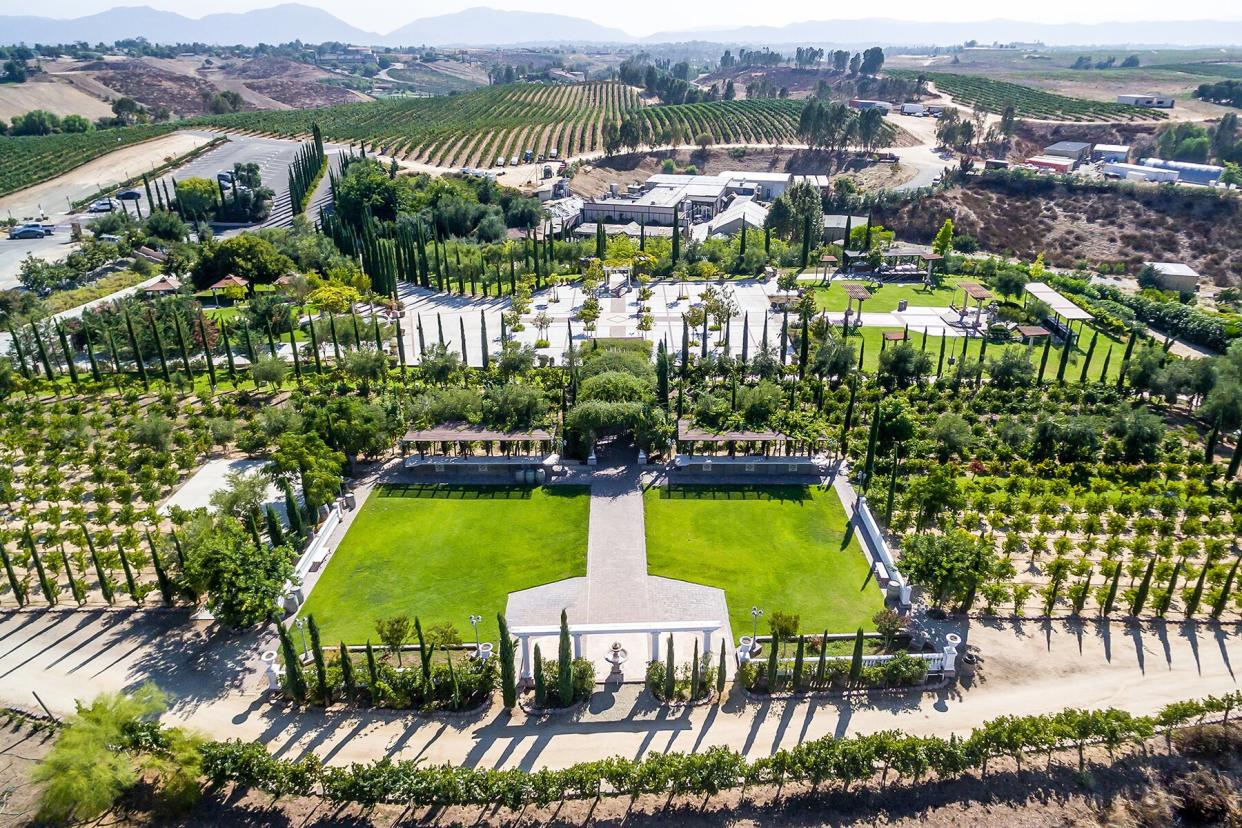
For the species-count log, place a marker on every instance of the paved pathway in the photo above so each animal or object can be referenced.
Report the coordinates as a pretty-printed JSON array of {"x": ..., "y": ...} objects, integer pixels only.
[{"x": 616, "y": 582}]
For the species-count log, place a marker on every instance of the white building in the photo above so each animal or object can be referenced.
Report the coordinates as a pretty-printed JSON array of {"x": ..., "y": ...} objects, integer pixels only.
[
  {"x": 1175, "y": 276},
  {"x": 1147, "y": 99},
  {"x": 729, "y": 222},
  {"x": 1135, "y": 172},
  {"x": 1111, "y": 153}
]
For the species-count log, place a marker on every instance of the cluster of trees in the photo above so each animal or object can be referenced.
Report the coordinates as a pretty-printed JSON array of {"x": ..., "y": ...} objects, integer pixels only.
[
  {"x": 244, "y": 199},
  {"x": 671, "y": 83},
  {"x": 1088, "y": 62},
  {"x": 1225, "y": 93},
  {"x": 867, "y": 62},
  {"x": 953, "y": 130},
  {"x": 125, "y": 112},
  {"x": 1199, "y": 144},
  {"x": 834, "y": 127}
]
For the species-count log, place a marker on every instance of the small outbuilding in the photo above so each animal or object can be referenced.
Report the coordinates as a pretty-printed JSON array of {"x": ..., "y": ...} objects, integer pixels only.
[
  {"x": 1175, "y": 276},
  {"x": 1149, "y": 100},
  {"x": 1077, "y": 151}
]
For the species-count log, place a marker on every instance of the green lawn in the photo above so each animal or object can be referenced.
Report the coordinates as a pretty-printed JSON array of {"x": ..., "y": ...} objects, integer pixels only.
[
  {"x": 782, "y": 548},
  {"x": 444, "y": 552},
  {"x": 873, "y": 339},
  {"x": 885, "y": 298}
]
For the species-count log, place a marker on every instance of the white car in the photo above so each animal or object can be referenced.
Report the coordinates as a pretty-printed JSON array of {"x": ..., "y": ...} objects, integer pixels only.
[{"x": 104, "y": 205}]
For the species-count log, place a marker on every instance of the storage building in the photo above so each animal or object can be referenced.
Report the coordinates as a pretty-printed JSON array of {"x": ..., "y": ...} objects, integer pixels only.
[
  {"x": 1148, "y": 100},
  {"x": 1175, "y": 276},
  {"x": 1077, "y": 151},
  {"x": 1055, "y": 163},
  {"x": 1134, "y": 172},
  {"x": 1188, "y": 173},
  {"x": 1118, "y": 153}
]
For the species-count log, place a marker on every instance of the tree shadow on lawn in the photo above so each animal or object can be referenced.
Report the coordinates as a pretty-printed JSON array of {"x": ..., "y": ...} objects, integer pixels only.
[{"x": 754, "y": 491}]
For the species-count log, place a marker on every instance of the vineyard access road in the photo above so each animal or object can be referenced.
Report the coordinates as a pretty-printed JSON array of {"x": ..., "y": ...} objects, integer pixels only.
[{"x": 215, "y": 686}]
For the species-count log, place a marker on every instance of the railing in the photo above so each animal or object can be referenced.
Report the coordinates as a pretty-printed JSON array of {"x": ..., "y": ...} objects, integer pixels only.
[
  {"x": 935, "y": 661},
  {"x": 316, "y": 552},
  {"x": 874, "y": 541}
]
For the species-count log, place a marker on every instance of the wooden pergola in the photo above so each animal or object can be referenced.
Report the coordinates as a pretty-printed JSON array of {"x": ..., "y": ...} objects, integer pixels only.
[
  {"x": 693, "y": 440},
  {"x": 855, "y": 292},
  {"x": 974, "y": 292},
  {"x": 1030, "y": 333},
  {"x": 463, "y": 441},
  {"x": 827, "y": 262}
]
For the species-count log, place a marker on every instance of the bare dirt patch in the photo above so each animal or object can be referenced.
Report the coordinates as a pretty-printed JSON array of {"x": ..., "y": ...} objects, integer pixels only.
[
  {"x": 53, "y": 95},
  {"x": 1080, "y": 228},
  {"x": 154, "y": 87}
]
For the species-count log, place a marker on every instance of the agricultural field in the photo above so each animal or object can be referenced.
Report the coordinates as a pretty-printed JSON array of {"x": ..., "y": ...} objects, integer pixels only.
[
  {"x": 1083, "y": 504},
  {"x": 476, "y": 128},
  {"x": 994, "y": 95},
  {"x": 31, "y": 159}
]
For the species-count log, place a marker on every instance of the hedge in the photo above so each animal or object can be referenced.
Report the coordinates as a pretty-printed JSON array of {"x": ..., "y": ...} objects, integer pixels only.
[{"x": 849, "y": 760}]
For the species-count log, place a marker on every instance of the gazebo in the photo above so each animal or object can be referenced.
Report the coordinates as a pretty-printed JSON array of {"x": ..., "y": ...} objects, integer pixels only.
[
  {"x": 1064, "y": 313},
  {"x": 227, "y": 283},
  {"x": 828, "y": 262},
  {"x": 164, "y": 286},
  {"x": 459, "y": 444},
  {"x": 1030, "y": 333}
]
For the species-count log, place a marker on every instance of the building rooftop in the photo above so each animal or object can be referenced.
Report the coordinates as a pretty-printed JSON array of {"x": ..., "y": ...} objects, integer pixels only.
[
  {"x": 1067, "y": 146},
  {"x": 1173, "y": 269}
]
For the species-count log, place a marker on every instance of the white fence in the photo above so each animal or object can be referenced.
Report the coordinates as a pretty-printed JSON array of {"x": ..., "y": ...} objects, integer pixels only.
[
  {"x": 316, "y": 552},
  {"x": 883, "y": 565}
]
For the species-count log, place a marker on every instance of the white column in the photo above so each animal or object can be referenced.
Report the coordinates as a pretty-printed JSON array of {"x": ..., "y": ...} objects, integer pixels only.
[
  {"x": 707, "y": 641},
  {"x": 655, "y": 646},
  {"x": 527, "y": 671},
  {"x": 577, "y": 644}
]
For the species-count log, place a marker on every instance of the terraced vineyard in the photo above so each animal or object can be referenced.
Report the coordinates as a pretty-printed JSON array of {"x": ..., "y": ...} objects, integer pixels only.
[
  {"x": 994, "y": 96},
  {"x": 29, "y": 159},
  {"x": 478, "y": 128}
]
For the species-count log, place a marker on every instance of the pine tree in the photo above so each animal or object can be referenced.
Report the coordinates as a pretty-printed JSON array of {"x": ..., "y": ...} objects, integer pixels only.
[
  {"x": 295, "y": 681},
  {"x": 321, "y": 667},
  {"x": 565, "y": 665}
]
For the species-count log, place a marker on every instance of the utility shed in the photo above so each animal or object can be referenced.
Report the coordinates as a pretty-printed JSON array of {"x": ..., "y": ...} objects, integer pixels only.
[
  {"x": 1175, "y": 276},
  {"x": 1110, "y": 153},
  {"x": 1077, "y": 151}
]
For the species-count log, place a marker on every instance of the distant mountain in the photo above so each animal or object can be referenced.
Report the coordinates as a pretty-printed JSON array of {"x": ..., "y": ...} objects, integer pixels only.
[
  {"x": 481, "y": 26},
  {"x": 885, "y": 32},
  {"x": 276, "y": 24}
]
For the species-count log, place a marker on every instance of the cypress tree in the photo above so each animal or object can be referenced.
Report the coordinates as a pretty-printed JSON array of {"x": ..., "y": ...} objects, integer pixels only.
[
  {"x": 43, "y": 358},
  {"x": 799, "y": 656},
  {"x": 271, "y": 341},
  {"x": 746, "y": 336},
  {"x": 44, "y": 584},
  {"x": 541, "y": 689},
  {"x": 773, "y": 666},
  {"x": 228, "y": 354},
  {"x": 1081, "y": 600},
  {"x": 211, "y": 364},
  {"x": 105, "y": 586},
  {"x": 1166, "y": 600},
  {"x": 869, "y": 464},
  {"x": 821, "y": 667},
  {"x": 248, "y": 341},
  {"x": 68, "y": 353},
  {"x": 694, "y": 672},
  {"x": 321, "y": 667},
  {"x": 159, "y": 346},
  {"x": 425, "y": 651},
  {"x": 1043, "y": 360},
  {"x": 1112, "y": 592},
  {"x": 670, "y": 672},
  {"x": 336, "y": 345},
  {"x": 90, "y": 354},
  {"x": 940, "y": 361},
  {"x": 19, "y": 591},
  {"x": 21, "y": 353},
  {"x": 274, "y": 530},
  {"x": 465, "y": 356},
  {"x": 131, "y": 586},
  {"x": 295, "y": 681},
  {"x": 1086, "y": 363},
  {"x": 252, "y": 523},
  {"x": 1196, "y": 595},
  {"x": 565, "y": 676},
  {"x": 1140, "y": 598},
  {"x": 293, "y": 511},
  {"x": 856, "y": 660},
  {"x": 849, "y": 416},
  {"x": 1222, "y": 600},
  {"x": 1108, "y": 356},
  {"x": 372, "y": 670},
  {"x": 806, "y": 240},
  {"x": 1065, "y": 352},
  {"x": 676, "y": 233},
  {"x": 165, "y": 585},
  {"x": 784, "y": 334},
  {"x": 79, "y": 594},
  {"x": 720, "y": 673},
  {"x": 508, "y": 676},
  {"x": 297, "y": 361},
  {"x": 347, "y": 673},
  {"x": 484, "y": 344},
  {"x": 181, "y": 343},
  {"x": 315, "y": 347}
]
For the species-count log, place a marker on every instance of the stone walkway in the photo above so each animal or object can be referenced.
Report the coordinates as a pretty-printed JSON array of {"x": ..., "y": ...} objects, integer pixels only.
[{"x": 616, "y": 582}]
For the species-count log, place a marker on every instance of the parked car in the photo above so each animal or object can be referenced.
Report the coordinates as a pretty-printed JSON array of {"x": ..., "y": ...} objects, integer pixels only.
[
  {"x": 225, "y": 177},
  {"x": 104, "y": 205},
  {"x": 130, "y": 195},
  {"x": 500, "y": 160},
  {"x": 513, "y": 162},
  {"x": 28, "y": 231}
]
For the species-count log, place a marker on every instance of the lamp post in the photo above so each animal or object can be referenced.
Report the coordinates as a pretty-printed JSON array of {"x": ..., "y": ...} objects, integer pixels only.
[
  {"x": 474, "y": 622},
  {"x": 298, "y": 623},
  {"x": 755, "y": 612}
]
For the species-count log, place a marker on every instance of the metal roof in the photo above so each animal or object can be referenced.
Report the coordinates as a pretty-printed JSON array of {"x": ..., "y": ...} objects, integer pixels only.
[
  {"x": 1060, "y": 305},
  {"x": 454, "y": 432}
]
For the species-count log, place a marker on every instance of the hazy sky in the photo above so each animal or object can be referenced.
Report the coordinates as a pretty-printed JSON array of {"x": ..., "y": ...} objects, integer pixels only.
[{"x": 641, "y": 17}]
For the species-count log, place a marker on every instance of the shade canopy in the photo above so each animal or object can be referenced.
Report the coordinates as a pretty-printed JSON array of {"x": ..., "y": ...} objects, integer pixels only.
[{"x": 1061, "y": 306}]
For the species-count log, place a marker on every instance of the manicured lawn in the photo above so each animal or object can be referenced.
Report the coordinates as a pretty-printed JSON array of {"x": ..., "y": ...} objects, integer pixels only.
[
  {"x": 781, "y": 548},
  {"x": 444, "y": 552},
  {"x": 873, "y": 337},
  {"x": 885, "y": 298}
]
